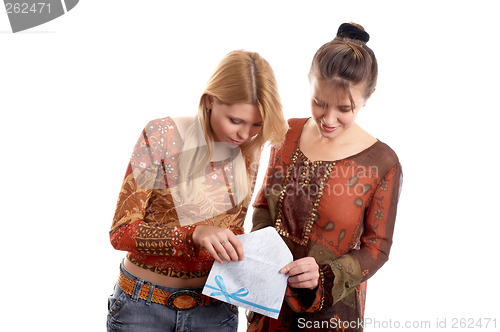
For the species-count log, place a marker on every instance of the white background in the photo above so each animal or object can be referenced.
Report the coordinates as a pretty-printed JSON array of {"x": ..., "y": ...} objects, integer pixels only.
[{"x": 76, "y": 92}]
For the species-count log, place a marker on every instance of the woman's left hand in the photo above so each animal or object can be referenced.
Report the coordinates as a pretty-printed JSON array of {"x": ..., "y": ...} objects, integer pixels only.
[{"x": 303, "y": 273}]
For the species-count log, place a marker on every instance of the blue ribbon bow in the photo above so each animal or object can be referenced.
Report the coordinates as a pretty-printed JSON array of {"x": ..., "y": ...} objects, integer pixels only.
[{"x": 235, "y": 295}]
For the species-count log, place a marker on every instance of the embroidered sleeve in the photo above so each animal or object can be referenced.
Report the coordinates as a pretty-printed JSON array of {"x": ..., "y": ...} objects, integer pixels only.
[
  {"x": 376, "y": 239},
  {"x": 352, "y": 269},
  {"x": 149, "y": 208},
  {"x": 312, "y": 300},
  {"x": 137, "y": 226},
  {"x": 261, "y": 218},
  {"x": 182, "y": 241}
]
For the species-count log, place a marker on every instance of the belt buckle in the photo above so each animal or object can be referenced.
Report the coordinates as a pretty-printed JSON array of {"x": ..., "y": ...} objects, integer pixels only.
[{"x": 183, "y": 300}]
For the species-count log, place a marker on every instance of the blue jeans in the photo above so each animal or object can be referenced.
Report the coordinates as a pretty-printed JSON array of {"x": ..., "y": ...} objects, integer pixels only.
[{"x": 131, "y": 314}]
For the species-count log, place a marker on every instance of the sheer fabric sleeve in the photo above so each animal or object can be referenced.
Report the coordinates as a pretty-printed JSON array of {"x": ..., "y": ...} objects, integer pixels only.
[{"x": 153, "y": 161}]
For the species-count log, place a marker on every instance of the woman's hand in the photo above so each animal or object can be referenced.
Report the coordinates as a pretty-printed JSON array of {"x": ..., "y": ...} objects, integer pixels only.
[
  {"x": 303, "y": 273},
  {"x": 219, "y": 241}
]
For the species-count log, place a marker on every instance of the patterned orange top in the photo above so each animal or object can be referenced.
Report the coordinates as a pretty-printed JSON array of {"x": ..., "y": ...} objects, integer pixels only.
[
  {"x": 149, "y": 211},
  {"x": 342, "y": 213}
]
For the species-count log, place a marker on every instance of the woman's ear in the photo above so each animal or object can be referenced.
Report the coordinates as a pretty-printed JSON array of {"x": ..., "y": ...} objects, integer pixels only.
[
  {"x": 371, "y": 92},
  {"x": 209, "y": 101}
]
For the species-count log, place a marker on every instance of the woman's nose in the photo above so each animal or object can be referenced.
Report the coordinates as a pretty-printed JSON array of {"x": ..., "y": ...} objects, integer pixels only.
[
  {"x": 244, "y": 133},
  {"x": 330, "y": 118}
]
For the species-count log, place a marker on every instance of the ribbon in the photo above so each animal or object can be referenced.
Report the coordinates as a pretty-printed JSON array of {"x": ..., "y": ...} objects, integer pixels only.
[{"x": 235, "y": 295}]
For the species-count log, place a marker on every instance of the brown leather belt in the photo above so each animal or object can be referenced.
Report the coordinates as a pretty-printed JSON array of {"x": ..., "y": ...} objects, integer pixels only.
[{"x": 181, "y": 300}]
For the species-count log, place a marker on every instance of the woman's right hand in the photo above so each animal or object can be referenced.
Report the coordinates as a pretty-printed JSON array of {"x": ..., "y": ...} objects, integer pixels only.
[
  {"x": 303, "y": 273},
  {"x": 219, "y": 241}
]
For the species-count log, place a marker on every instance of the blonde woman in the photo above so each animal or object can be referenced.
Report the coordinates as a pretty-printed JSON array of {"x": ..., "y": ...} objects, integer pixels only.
[{"x": 185, "y": 196}]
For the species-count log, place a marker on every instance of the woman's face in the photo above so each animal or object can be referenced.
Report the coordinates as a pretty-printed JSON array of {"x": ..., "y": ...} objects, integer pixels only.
[
  {"x": 331, "y": 109},
  {"x": 234, "y": 123}
]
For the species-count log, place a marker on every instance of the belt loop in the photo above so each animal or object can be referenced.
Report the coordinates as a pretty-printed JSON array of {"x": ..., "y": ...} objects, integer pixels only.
[
  {"x": 137, "y": 289},
  {"x": 151, "y": 291}
]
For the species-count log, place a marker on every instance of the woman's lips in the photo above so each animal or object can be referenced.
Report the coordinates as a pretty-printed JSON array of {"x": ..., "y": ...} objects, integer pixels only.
[
  {"x": 236, "y": 142},
  {"x": 328, "y": 129}
]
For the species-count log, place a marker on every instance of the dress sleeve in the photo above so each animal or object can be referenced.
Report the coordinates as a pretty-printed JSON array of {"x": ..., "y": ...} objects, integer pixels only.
[
  {"x": 151, "y": 164},
  {"x": 339, "y": 277}
]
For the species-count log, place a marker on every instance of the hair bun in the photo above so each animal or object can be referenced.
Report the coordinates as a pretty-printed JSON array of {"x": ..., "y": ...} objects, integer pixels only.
[{"x": 353, "y": 31}]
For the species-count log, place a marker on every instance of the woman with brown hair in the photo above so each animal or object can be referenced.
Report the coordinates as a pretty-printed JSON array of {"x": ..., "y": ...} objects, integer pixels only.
[
  {"x": 331, "y": 192},
  {"x": 185, "y": 196}
]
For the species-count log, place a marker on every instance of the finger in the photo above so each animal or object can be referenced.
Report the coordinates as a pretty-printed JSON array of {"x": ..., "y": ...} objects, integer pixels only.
[
  {"x": 236, "y": 247},
  {"x": 222, "y": 250},
  {"x": 288, "y": 267},
  {"x": 304, "y": 277},
  {"x": 229, "y": 249},
  {"x": 306, "y": 280},
  {"x": 292, "y": 268},
  {"x": 215, "y": 248},
  {"x": 301, "y": 265},
  {"x": 310, "y": 284},
  {"x": 213, "y": 253},
  {"x": 299, "y": 269}
]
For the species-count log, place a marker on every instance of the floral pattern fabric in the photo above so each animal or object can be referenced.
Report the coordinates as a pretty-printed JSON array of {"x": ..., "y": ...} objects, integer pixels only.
[
  {"x": 150, "y": 217},
  {"x": 342, "y": 213}
]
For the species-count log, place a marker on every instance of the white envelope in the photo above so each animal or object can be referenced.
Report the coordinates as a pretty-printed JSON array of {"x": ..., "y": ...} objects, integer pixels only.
[{"x": 254, "y": 283}]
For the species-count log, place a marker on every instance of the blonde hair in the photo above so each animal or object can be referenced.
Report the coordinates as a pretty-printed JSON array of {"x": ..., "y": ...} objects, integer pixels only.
[{"x": 240, "y": 77}]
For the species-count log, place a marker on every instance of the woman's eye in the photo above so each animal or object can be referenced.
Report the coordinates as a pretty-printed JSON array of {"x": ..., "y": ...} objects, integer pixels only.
[
  {"x": 345, "y": 110},
  {"x": 234, "y": 121},
  {"x": 319, "y": 104}
]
